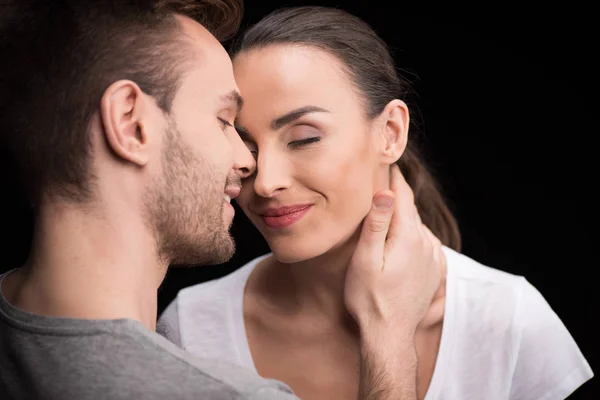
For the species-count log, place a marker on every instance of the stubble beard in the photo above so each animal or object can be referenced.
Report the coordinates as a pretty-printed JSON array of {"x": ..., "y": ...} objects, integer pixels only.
[{"x": 184, "y": 208}]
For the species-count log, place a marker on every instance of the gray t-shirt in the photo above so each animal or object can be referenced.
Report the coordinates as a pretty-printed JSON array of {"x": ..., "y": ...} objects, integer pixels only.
[{"x": 63, "y": 358}]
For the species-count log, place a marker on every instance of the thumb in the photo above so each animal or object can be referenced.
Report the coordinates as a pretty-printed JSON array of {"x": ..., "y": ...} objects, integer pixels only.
[{"x": 374, "y": 230}]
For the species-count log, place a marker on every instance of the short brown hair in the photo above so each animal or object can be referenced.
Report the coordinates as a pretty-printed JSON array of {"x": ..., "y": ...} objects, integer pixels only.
[
  {"x": 58, "y": 58},
  {"x": 370, "y": 66}
]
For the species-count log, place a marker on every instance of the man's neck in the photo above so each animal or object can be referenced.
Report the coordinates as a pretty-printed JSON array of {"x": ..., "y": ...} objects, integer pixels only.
[{"x": 89, "y": 263}]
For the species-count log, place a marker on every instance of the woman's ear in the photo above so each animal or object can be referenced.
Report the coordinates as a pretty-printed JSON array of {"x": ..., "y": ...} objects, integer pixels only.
[{"x": 394, "y": 124}]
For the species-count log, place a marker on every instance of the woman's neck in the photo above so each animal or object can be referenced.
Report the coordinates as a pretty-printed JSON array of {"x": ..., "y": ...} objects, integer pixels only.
[{"x": 314, "y": 286}]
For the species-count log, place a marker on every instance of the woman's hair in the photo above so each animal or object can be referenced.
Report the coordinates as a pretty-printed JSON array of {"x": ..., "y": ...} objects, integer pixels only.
[{"x": 367, "y": 61}]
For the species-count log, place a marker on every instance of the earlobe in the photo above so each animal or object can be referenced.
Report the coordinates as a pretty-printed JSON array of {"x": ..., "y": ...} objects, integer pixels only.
[
  {"x": 121, "y": 113},
  {"x": 394, "y": 133}
]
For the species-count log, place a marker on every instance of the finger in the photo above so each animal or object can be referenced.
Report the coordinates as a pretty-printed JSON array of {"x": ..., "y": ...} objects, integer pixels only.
[
  {"x": 436, "y": 244},
  {"x": 418, "y": 220},
  {"x": 371, "y": 242},
  {"x": 438, "y": 254},
  {"x": 404, "y": 209},
  {"x": 434, "y": 239},
  {"x": 419, "y": 226},
  {"x": 405, "y": 201}
]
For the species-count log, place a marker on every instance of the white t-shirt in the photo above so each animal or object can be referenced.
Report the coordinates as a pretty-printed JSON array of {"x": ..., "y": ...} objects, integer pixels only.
[{"x": 500, "y": 338}]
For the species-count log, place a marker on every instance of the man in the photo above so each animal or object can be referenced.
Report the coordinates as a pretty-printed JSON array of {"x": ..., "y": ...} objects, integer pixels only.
[{"x": 118, "y": 115}]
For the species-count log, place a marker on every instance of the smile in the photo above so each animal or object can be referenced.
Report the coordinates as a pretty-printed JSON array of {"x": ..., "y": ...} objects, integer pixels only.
[{"x": 286, "y": 216}]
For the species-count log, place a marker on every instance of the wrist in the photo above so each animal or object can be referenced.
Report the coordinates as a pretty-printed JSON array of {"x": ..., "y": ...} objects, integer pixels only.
[
  {"x": 379, "y": 324},
  {"x": 385, "y": 336}
]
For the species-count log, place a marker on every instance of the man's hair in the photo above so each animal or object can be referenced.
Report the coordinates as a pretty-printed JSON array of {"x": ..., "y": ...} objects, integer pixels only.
[{"x": 60, "y": 56}]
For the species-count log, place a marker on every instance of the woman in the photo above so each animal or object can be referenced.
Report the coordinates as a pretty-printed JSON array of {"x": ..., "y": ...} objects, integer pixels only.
[{"x": 324, "y": 118}]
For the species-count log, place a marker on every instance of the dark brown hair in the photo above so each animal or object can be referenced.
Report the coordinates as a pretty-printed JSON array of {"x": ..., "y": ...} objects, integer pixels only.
[
  {"x": 368, "y": 62},
  {"x": 59, "y": 57}
]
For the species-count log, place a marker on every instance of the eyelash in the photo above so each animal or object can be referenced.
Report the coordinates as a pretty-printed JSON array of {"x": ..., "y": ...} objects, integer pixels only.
[
  {"x": 295, "y": 143},
  {"x": 226, "y": 124},
  {"x": 298, "y": 143}
]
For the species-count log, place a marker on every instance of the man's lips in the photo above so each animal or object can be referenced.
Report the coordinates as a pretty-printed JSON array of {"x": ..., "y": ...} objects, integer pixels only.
[{"x": 232, "y": 191}]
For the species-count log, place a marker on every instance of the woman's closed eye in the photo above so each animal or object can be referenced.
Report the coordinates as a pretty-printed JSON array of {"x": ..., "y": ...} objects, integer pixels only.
[
  {"x": 226, "y": 124},
  {"x": 304, "y": 142}
]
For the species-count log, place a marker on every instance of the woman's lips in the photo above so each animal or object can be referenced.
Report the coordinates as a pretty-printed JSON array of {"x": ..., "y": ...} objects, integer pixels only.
[{"x": 278, "y": 218}]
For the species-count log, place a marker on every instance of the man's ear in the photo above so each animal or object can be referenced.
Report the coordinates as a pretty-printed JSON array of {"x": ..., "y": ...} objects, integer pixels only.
[
  {"x": 121, "y": 110},
  {"x": 394, "y": 124}
]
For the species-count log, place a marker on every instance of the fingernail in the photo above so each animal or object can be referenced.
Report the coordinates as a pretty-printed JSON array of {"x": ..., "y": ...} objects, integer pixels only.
[{"x": 383, "y": 201}]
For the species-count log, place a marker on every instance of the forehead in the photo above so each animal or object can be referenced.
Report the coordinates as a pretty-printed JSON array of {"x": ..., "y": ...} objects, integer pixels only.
[
  {"x": 210, "y": 72},
  {"x": 284, "y": 77}
]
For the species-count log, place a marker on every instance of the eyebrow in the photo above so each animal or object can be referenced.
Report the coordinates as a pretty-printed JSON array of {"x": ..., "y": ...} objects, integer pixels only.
[
  {"x": 235, "y": 98},
  {"x": 280, "y": 122},
  {"x": 290, "y": 117}
]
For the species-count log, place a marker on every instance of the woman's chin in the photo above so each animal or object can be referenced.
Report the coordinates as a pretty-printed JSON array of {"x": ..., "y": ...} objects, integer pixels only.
[
  {"x": 289, "y": 250},
  {"x": 289, "y": 254},
  {"x": 290, "y": 257}
]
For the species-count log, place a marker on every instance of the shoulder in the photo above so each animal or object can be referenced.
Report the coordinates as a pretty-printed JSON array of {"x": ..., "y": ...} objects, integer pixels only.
[
  {"x": 506, "y": 318},
  {"x": 464, "y": 268},
  {"x": 488, "y": 297},
  {"x": 480, "y": 299},
  {"x": 179, "y": 375},
  {"x": 207, "y": 319},
  {"x": 508, "y": 297},
  {"x": 204, "y": 299},
  {"x": 482, "y": 293},
  {"x": 546, "y": 350}
]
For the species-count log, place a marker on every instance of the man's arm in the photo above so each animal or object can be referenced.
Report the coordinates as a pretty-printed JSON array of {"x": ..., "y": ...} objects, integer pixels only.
[
  {"x": 393, "y": 275},
  {"x": 388, "y": 367}
]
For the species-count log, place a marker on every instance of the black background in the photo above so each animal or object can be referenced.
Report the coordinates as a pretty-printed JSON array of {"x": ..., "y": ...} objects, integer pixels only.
[{"x": 509, "y": 111}]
